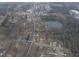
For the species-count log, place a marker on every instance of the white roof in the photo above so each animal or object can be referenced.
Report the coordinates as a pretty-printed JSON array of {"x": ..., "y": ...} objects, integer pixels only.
[{"x": 74, "y": 11}]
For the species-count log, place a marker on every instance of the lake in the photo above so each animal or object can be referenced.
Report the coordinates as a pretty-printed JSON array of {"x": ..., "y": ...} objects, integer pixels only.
[{"x": 54, "y": 24}]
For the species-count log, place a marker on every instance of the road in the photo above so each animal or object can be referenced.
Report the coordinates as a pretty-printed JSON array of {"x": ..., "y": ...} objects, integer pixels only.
[{"x": 26, "y": 53}]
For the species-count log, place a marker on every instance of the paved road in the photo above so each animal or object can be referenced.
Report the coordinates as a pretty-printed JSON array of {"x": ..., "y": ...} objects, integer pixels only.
[{"x": 26, "y": 53}]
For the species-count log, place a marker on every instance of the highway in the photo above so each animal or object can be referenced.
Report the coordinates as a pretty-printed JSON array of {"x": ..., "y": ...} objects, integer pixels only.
[{"x": 26, "y": 53}]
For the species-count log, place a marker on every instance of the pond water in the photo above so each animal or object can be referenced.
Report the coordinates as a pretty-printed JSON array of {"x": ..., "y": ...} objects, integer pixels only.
[{"x": 54, "y": 24}]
